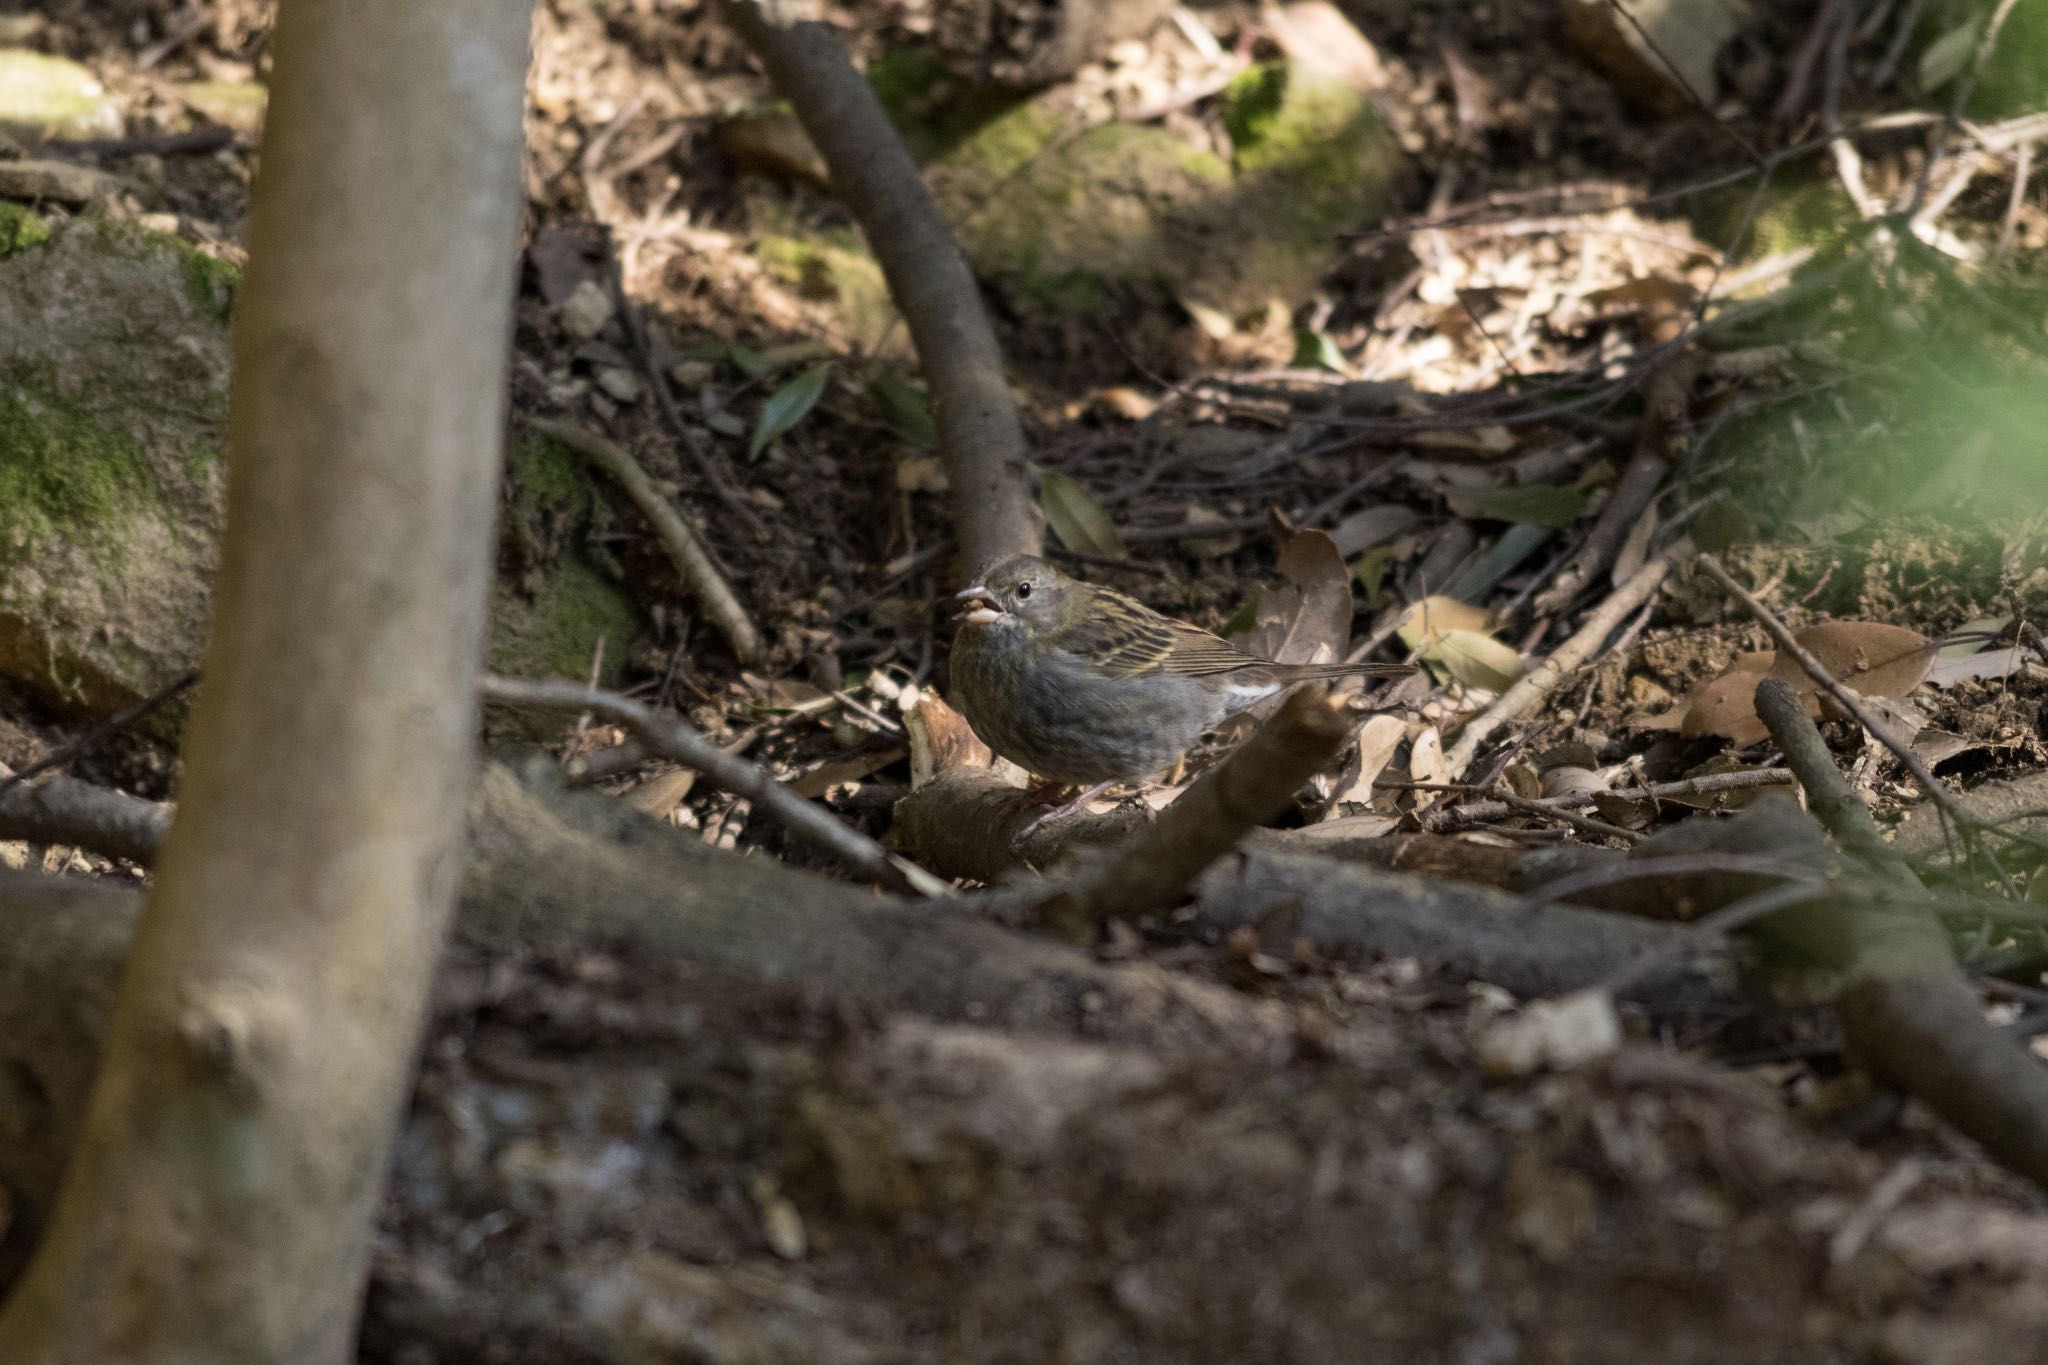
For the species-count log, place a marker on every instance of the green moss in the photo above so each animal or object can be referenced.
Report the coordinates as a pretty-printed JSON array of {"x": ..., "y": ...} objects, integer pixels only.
[
  {"x": 554, "y": 633},
  {"x": 41, "y": 94},
  {"x": 905, "y": 79},
  {"x": 209, "y": 282},
  {"x": 20, "y": 228},
  {"x": 63, "y": 473},
  {"x": 547, "y": 477},
  {"x": 1251, "y": 104},
  {"x": 834, "y": 265}
]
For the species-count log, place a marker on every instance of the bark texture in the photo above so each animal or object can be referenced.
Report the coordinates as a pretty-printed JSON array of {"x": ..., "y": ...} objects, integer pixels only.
[{"x": 218, "y": 1205}]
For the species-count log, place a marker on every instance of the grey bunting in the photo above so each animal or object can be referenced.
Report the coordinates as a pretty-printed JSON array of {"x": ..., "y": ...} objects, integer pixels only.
[{"x": 1085, "y": 686}]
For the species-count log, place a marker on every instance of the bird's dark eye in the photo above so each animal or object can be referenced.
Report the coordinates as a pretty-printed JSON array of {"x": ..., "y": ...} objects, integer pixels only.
[{"x": 1023, "y": 591}]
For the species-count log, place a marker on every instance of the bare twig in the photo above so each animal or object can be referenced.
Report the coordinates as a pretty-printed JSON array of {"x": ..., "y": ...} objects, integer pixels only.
[
  {"x": 1585, "y": 824},
  {"x": 674, "y": 738},
  {"x": 105, "y": 730},
  {"x": 1966, "y": 85},
  {"x": 685, "y": 548},
  {"x": 1458, "y": 817},
  {"x": 1567, "y": 658},
  {"x": 1782, "y": 635},
  {"x": 979, "y": 431},
  {"x": 657, "y": 383},
  {"x": 1662, "y": 438}
]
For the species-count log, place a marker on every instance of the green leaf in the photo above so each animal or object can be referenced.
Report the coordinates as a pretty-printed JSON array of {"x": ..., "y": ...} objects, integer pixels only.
[
  {"x": 1313, "y": 350},
  {"x": 1516, "y": 544},
  {"x": 1533, "y": 504},
  {"x": 1242, "y": 620},
  {"x": 787, "y": 406},
  {"x": 1081, "y": 523},
  {"x": 903, "y": 407},
  {"x": 1949, "y": 55},
  {"x": 749, "y": 361},
  {"x": 1369, "y": 571}
]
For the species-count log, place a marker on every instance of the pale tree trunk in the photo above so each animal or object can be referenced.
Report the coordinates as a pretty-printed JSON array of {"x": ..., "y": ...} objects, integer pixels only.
[{"x": 219, "y": 1205}]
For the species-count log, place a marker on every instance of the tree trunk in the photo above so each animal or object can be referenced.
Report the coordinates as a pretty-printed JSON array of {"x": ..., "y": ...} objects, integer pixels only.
[{"x": 219, "y": 1203}]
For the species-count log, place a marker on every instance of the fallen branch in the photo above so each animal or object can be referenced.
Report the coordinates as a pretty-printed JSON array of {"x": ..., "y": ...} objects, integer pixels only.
[
  {"x": 685, "y": 548},
  {"x": 1252, "y": 784},
  {"x": 67, "y": 811},
  {"x": 1565, "y": 660},
  {"x": 1905, "y": 1010},
  {"x": 874, "y": 176},
  {"x": 674, "y": 738}
]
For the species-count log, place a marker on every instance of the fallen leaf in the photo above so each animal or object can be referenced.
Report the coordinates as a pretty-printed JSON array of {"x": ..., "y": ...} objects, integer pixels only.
[
  {"x": 1725, "y": 706},
  {"x": 1372, "y": 525},
  {"x": 1307, "y": 619},
  {"x": 1549, "y": 505},
  {"x": 787, "y": 406},
  {"x": 1476, "y": 660},
  {"x": 1378, "y": 739},
  {"x": 659, "y": 796},
  {"x": 1427, "y": 763},
  {"x": 1876, "y": 659},
  {"x": 1082, "y": 524},
  {"x": 1990, "y": 663},
  {"x": 1425, "y": 621},
  {"x": 823, "y": 778},
  {"x": 1568, "y": 779}
]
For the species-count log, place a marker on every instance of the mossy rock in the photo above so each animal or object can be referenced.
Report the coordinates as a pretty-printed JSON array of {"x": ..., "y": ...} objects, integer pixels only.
[
  {"x": 1056, "y": 219},
  {"x": 43, "y": 96},
  {"x": 835, "y": 266},
  {"x": 114, "y": 359},
  {"x": 237, "y": 104},
  {"x": 20, "y": 227},
  {"x": 113, "y": 400}
]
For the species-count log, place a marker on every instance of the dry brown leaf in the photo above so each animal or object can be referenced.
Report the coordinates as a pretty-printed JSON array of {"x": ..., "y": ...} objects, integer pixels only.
[
  {"x": 1378, "y": 739},
  {"x": 1569, "y": 779},
  {"x": 1426, "y": 763},
  {"x": 826, "y": 776},
  {"x": 659, "y": 796},
  {"x": 1876, "y": 659},
  {"x": 1726, "y": 706},
  {"x": 1307, "y": 619}
]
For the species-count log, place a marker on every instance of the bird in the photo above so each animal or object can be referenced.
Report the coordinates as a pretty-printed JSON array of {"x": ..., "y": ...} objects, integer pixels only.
[{"x": 1084, "y": 686}]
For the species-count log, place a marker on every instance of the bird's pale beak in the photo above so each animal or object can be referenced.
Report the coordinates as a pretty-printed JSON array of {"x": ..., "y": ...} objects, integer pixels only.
[{"x": 978, "y": 607}]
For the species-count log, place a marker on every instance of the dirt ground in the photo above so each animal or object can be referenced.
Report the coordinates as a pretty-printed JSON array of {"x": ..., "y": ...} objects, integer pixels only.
[{"x": 611, "y": 1158}]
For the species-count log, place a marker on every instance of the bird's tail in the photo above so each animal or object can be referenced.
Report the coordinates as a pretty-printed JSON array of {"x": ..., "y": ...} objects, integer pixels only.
[{"x": 1295, "y": 673}]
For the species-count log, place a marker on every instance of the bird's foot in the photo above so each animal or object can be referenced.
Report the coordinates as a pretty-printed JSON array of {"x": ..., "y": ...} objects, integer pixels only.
[{"x": 1059, "y": 812}]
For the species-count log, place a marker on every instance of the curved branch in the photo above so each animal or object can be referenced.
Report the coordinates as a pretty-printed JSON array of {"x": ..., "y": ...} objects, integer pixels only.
[{"x": 979, "y": 433}]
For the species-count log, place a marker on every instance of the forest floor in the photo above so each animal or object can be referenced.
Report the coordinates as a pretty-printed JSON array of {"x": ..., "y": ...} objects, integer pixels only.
[{"x": 1581, "y": 278}]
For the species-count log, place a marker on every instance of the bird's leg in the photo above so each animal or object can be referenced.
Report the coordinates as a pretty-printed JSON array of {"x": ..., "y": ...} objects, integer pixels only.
[{"x": 1060, "y": 812}]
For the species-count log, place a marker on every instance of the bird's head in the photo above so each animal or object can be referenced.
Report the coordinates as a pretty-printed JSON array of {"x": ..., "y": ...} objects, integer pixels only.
[{"x": 1022, "y": 592}]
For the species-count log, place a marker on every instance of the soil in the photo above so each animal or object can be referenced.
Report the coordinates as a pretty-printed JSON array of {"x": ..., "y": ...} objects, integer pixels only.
[{"x": 594, "y": 1134}]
